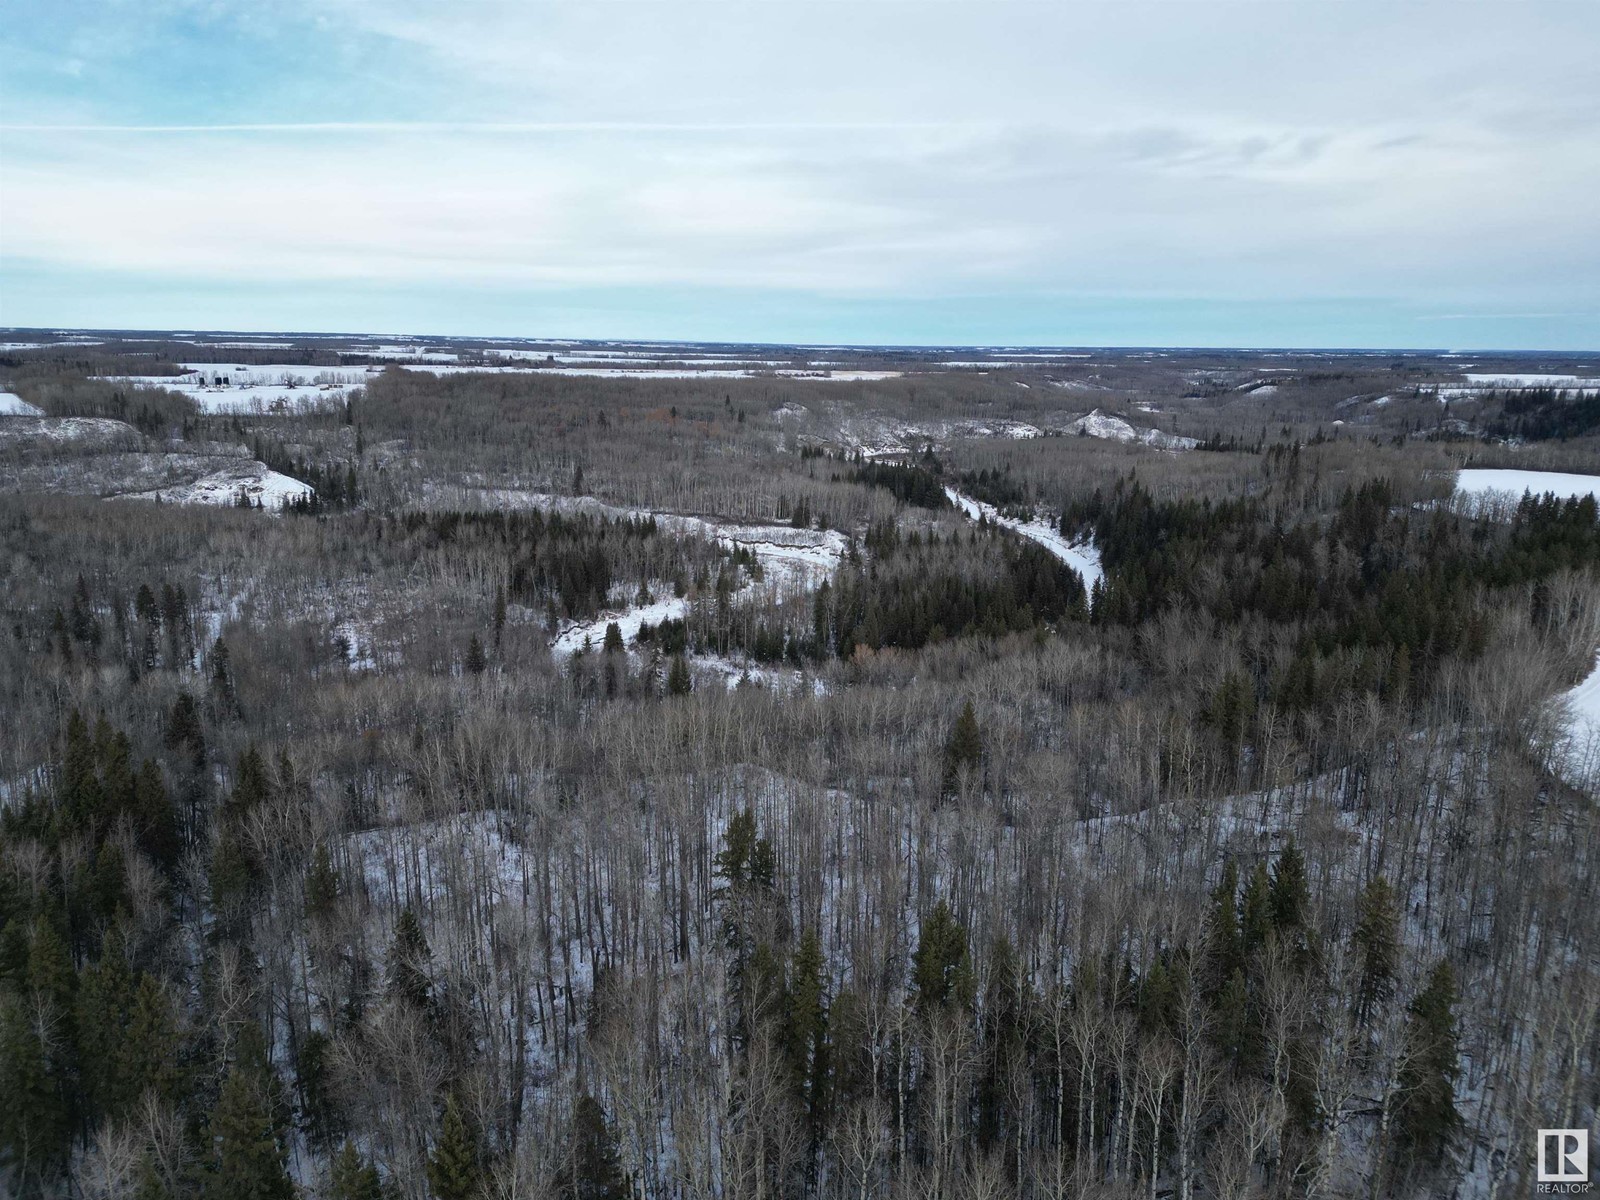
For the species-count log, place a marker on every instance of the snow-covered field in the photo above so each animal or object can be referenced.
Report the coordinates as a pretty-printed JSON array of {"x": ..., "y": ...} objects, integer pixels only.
[
  {"x": 276, "y": 387},
  {"x": 13, "y": 405},
  {"x": 1523, "y": 379},
  {"x": 247, "y": 478},
  {"x": 1497, "y": 480},
  {"x": 1081, "y": 557},
  {"x": 643, "y": 372}
]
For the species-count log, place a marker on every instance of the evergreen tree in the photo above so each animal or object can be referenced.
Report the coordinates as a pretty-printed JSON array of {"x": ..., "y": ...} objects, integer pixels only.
[
  {"x": 155, "y": 819},
  {"x": 678, "y": 681},
  {"x": 316, "y": 1100},
  {"x": 1288, "y": 893},
  {"x": 1255, "y": 913},
  {"x": 963, "y": 751},
  {"x": 806, "y": 1022},
  {"x": 1377, "y": 945},
  {"x": 147, "y": 1060},
  {"x": 350, "y": 1177},
  {"x": 322, "y": 884},
  {"x": 455, "y": 1167},
  {"x": 1238, "y": 1034},
  {"x": 1425, "y": 1115},
  {"x": 613, "y": 643},
  {"x": 248, "y": 1162},
  {"x": 941, "y": 971},
  {"x": 1004, "y": 1038},
  {"x": 1223, "y": 953},
  {"x": 595, "y": 1172},
  {"x": 476, "y": 662},
  {"x": 409, "y": 958},
  {"x": 104, "y": 1007}
]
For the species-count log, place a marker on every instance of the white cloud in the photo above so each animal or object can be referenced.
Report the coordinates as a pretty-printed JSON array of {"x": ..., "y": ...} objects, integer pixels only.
[{"x": 1264, "y": 149}]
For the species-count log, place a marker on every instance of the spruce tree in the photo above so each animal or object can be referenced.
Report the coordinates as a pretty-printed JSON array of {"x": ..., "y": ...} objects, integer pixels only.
[
  {"x": 678, "y": 681},
  {"x": 476, "y": 662},
  {"x": 941, "y": 971},
  {"x": 613, "y": 643},
  {"x": 1255, "y": 913},
  {"x": 350, "y": 1177},
  {"x": 1223, "y": 953},
  {"x": 1290, "y": 898},
  {"x": 1376, "y": 939},
  {"x": 1425, "y": 1116},
  {"x": 105, "y": 1003},
  {"x": 595, "y": 1172},
  {"x": 155, "y": 819},
  {"x": 322, "y": 884},
  {"x": 455, "y": 1167},
  {"x": 806, "y": 1022},
  {"x": 409, "y": 959},
  {"x": 248, "y": 1162},
  {"x": 963, "y": 750},
  {"x": 147, "y": 1060}
]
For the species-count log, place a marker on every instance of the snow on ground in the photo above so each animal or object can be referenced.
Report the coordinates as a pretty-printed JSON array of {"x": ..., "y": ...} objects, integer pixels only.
[
  {"x": 619, "y": 372},
  {"x": 592, "y": 634},
  {"x": 1577, "y": 757},
  {"x": 13, "y": 405},
  {"x": 1103, "y": 425},
  {"x": 67, "y": 429},
  {"x": 791, "y": 559},
  {"x": 412, "y": 353},
  {"x": 253, "y": 480},
  {"x": 879, "y": 437},
  {"x": 276, "y": 387},
  {"x": 48, "y": 345},
  {"x": 1528, "y": 380},
  {"x": 1081, "y": 557},
  {"x": 1481, "y": 480}
]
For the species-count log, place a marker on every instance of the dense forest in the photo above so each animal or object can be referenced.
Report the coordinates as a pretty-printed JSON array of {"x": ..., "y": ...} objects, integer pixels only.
[{"x": 674, "y": 788}]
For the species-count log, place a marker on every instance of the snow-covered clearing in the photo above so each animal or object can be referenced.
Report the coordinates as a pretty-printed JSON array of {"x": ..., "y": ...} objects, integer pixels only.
[
  {"x": 1081, "y": 557},
  {"x": 249, "y": 479},
  {"x": 1502, "y": 480},
  {"x": 277, "y": 387},
  {"x": 591, "y": 635},
  {"x": 1104, "y": 425},
  {"x": 13, "y": 405},
  {"x": 882, "y": 437},
  {"x": 791, "y": 560}
]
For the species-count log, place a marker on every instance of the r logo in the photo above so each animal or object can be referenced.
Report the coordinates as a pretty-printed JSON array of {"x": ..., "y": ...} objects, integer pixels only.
[{"x": 1563, "y": 1156}]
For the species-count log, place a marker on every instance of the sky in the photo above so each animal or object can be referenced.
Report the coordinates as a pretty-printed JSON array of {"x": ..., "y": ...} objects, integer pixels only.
[{"x": 1319, "y": 173}]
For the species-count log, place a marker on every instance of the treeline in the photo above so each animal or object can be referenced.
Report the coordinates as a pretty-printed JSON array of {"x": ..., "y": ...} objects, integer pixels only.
[
  {"x": 1543, "y": 414},
  {"x": 905, "y": 592},
  {"x": 1369, "y": 599},
  {"x": 565, "y": 565}
]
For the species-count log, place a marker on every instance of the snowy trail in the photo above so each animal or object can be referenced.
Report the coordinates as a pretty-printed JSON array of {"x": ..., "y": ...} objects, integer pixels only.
[
  {"x": 1084, "y": 558},
  {"x": 790, "y": 559}
]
